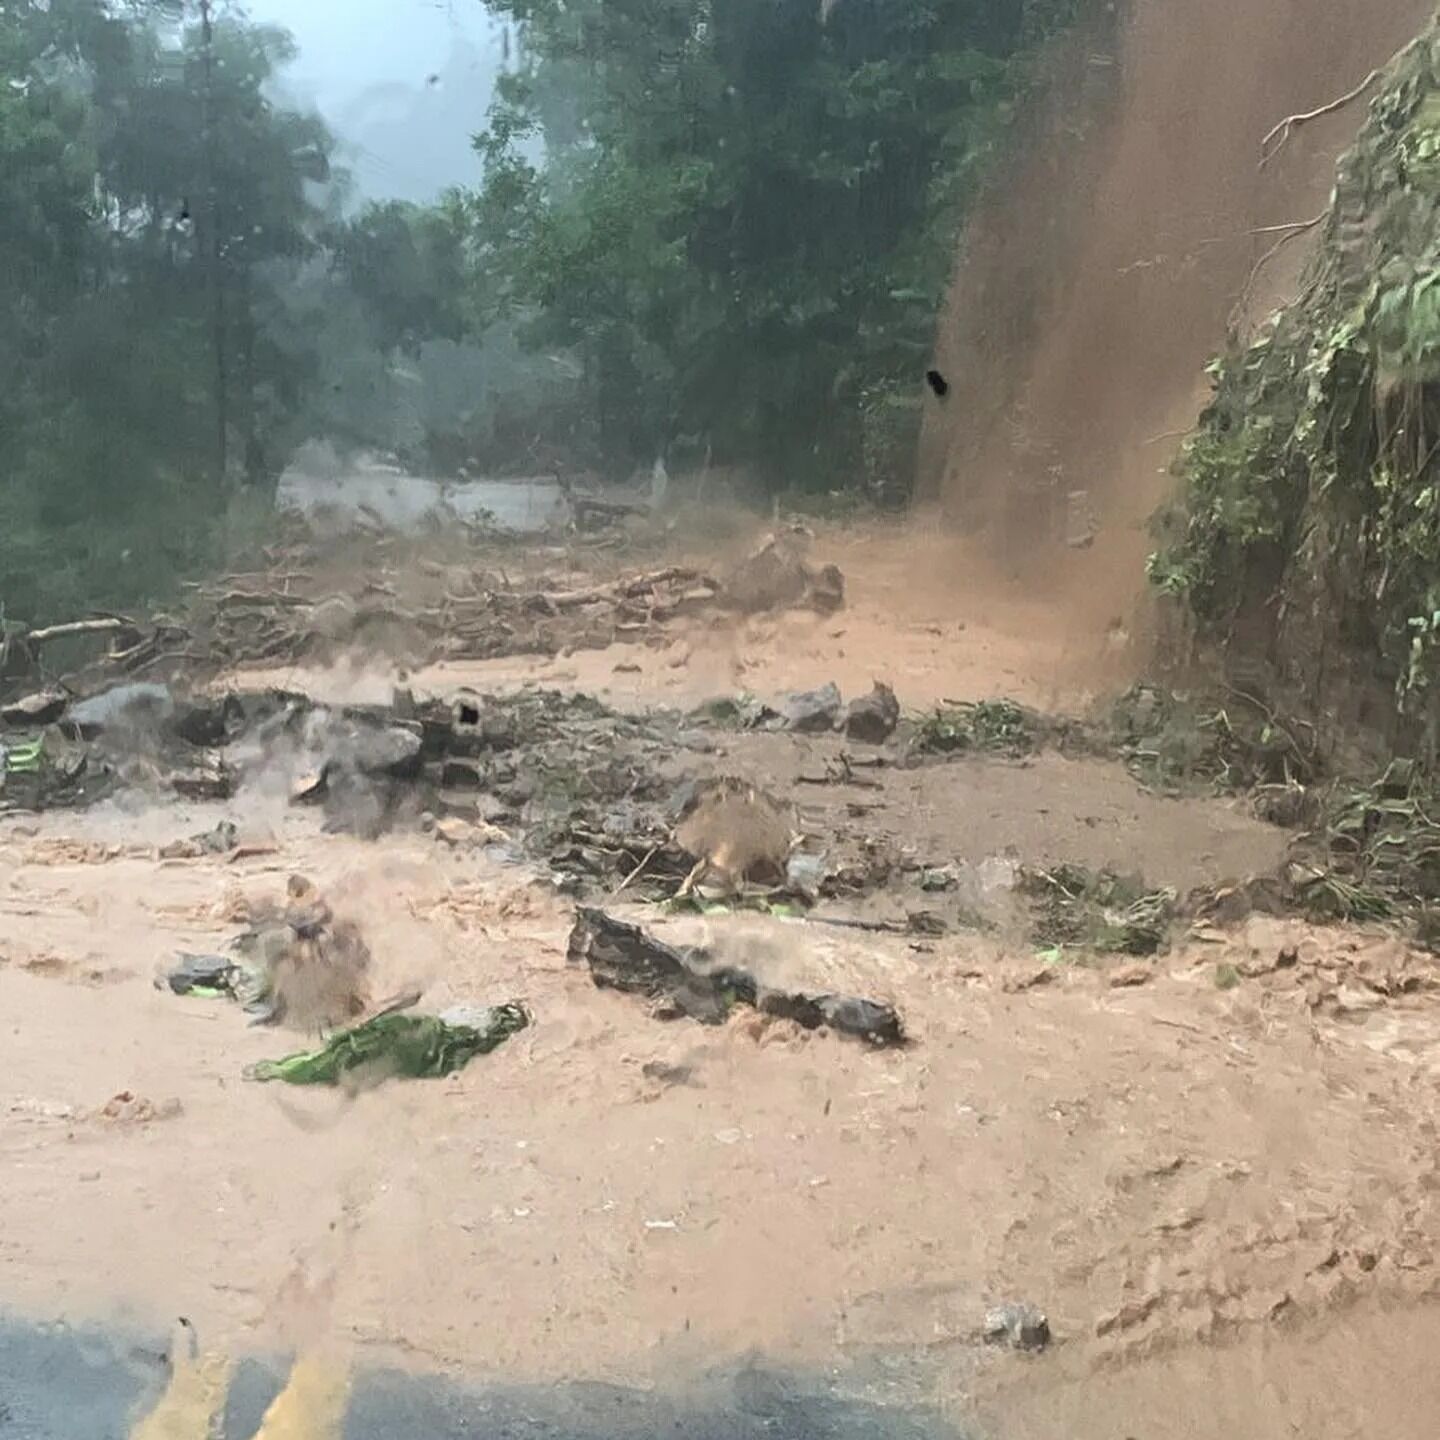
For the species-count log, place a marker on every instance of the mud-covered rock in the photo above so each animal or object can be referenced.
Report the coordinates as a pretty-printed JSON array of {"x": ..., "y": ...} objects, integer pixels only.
[
  {"x": 736, "y": 829},
  {"x": 393, "y": 751},
  {"x": 777, "y": 576},
  {"x": 40, "y": 707},
  {"x": 872, "y": 718},
  {"x": 208, "y": 721},
  {"x": 1020, "y": 1325},
  {"x": 137, "y": 705},
  {"x": 812, "y": 712},
  {"x": 677, "y": 982}
]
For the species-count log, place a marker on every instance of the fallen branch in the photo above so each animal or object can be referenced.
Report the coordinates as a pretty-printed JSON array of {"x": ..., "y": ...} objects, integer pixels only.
[
  {"x": 262, "y": 598},
  {"x": 639, "y": 870},
  {"x": 1287, "y": 232},
  {"x": 620, "y": 590},
  {"x": 1291, "y": 228},
  {"x": 102, "y": 625},
  {"x": 1282, "y": 132}
]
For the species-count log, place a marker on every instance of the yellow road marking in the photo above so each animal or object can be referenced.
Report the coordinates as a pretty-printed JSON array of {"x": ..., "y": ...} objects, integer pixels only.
[
  {"x": 312, "y": 1405},
  {"x": 191, "y": 1406}
]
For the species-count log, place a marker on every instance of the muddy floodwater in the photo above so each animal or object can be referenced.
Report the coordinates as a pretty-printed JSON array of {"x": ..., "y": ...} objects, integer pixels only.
[{"x": 1212, "y": 1169}]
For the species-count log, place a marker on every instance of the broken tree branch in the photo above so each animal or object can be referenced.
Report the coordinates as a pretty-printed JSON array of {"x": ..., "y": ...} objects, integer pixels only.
[
  {"x": 1292, "y": 230},
  {"x": 1276, "y": 140},
  {"x": 625, "y": 589},
  {"x": 101, "y": 625},
  {"x": 639, "y": 870}
]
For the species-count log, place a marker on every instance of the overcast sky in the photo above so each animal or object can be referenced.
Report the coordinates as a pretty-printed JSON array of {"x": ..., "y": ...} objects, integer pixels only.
[{"x": 405, "y": 83}]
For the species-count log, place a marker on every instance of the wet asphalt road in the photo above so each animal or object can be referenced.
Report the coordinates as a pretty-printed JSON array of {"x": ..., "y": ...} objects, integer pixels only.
[{"x": 62, "y": 1384}]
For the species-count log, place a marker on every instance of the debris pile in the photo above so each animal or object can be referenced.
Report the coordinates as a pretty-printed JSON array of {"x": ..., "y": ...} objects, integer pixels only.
[
  {"x": 777, "y": 576},
  {"x": 676, "y": 983},
  {"x": 295, "y": 964},
  {"x": 1374, "y": 853},
  {"x": 1097, "y": 911},
  {"x": 485, "y": 617},
  {"x": 1233, "y": 743},
  {"x": 996, "y": 727}
]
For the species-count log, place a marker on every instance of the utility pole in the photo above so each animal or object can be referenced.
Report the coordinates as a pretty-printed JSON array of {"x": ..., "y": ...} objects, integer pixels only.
[{"x": 215, "y": 258}]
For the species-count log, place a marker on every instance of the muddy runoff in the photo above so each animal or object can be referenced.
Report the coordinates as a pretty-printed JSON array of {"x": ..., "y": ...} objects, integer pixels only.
[{"x": 977, "y": 1056}]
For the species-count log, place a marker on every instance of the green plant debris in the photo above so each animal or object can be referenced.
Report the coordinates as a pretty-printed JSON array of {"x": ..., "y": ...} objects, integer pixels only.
[
  {"x": 1170, "y": 741},
  {"x": 780, "y": 906},
  {"x": 24, "y": 759},
  {"x": 1376, "y": 851},
  {"x": 413, "y": 1046},
  {"x": 997, "y": 727},
  {"x": 1227, "y": 977},
  {"x": 1097, "y": 910},
  {"x": 726, "y": 712},
  {"x": 1308, "y": 528}
]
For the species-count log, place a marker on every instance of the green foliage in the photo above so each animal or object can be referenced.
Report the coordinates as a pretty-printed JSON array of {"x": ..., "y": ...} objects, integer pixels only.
[
  {"x": 1311, "y": 493},
  {"x": 397, "y": 1046},
  {"x": 406, "y": 265},
  {"x": 1377, "y": 849},
  {"x": 745, "y": 216},
  {"x": 997, "y": 727},
  {"x": 117, "y": 269},
  {"x": 1170, "y": 741},
  {"x": 1097, "y": 910}
]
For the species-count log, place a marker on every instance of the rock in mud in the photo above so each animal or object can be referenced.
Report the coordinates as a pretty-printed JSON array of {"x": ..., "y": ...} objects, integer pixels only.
[
  {"x": 203, "y": 974},
  {"x": 777, "y": 577},
  {"x": 621, "y": 956},
  {"x": 127, "y": 1108},
  {"x": 40, "y": 707},
  {"x": 872, "y": 718},
  {"x": 827, "y": 590},
  {"x": 462, "y": 834},
  {"x": 310, "y": 969},
  {"x": 1017, "y": 1324},
  {"x": 774, "y": 577},
  {"x": 812, "y": 712},
  {"x": 208, "y": 721},
  {"x": 139, "y": 705},
  {"x": 738, "y": 831},
  {"x": 224, "y": 838},
  {"x": 1126, "y": 976},
  {"x": 210, "y": 778},
  {"x": 393, "y": 752}
]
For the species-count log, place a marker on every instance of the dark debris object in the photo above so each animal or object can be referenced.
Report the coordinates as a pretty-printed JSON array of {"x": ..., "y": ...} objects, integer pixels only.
[{"x": 622, "y": 956}]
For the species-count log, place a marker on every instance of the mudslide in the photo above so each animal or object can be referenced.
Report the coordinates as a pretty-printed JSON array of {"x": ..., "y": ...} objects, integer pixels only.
[{"x": 1089, "y": 297}]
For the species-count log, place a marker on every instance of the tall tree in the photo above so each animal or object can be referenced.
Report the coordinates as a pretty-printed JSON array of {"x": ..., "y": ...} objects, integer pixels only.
[
  {"x": 108, "y": 417},
  {"x": 743, "y": 217}
]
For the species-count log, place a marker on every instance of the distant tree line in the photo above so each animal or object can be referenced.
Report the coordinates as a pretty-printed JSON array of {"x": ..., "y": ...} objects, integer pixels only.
[
  {"x": 706, "y": 230},
  {"x": 741, "y": 215}
]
